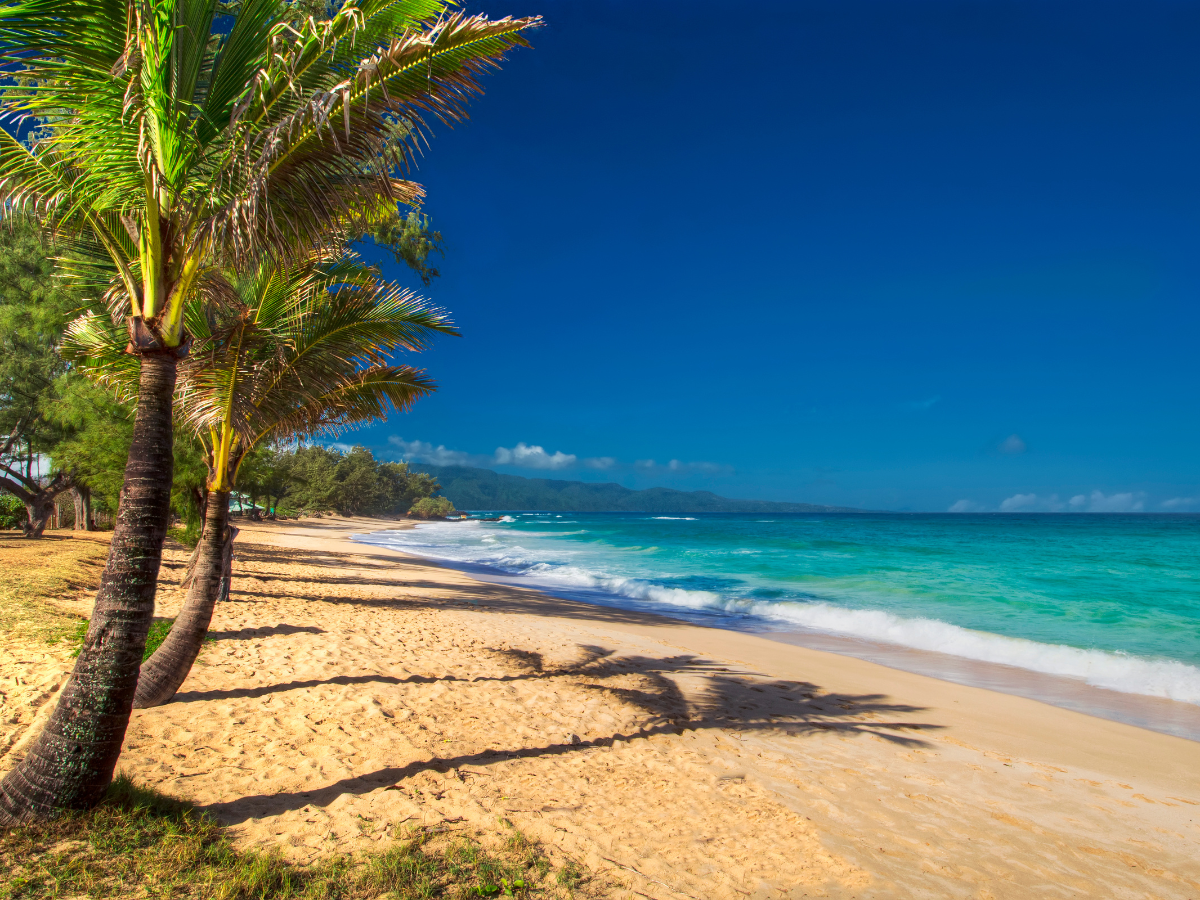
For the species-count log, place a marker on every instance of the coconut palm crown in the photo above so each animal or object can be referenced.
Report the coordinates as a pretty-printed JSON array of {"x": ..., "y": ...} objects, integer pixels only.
[
  {"x": 293, "y": 349},
  {"x": 175, "y": 145}
]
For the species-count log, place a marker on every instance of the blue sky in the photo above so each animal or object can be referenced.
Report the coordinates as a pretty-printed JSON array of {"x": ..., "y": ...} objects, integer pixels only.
[{"x": 896, "y": 255}]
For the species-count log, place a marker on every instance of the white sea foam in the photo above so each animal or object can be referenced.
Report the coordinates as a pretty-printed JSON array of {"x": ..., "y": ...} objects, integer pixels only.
[
  {"x": 1100, "y": 668},
  {"x": 676, "y": 518},
  {"x": 1116, "y": 671},
  {"x": 507, "y": 519}
]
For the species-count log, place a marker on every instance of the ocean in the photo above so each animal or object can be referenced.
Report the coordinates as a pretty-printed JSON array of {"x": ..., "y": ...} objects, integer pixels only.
[{"x": 1033, "y": 604}]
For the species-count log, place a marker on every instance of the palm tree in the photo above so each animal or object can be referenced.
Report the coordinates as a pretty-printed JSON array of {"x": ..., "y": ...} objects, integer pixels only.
[
  {"x": 294, "y": 350},
  {"x": 170, "y": 144}
]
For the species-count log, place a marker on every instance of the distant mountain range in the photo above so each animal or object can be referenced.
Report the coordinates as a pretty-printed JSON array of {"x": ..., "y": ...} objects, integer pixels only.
[{"x": 470, "y": 488}]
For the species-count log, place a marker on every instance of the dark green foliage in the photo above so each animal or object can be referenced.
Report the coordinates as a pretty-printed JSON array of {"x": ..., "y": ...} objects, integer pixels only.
[
  {"x": 265, "y": 476},
  {"x": 318, "y": 479},
  {"x": 97, "y": 430},
  {"x": 189, "y": 481},
  {"x": 139, "y": 843},
  {"x": 431, "y": 508},
  {"x": 470, "y": 488},
  {"x": 34, "y": 308},
  {"x": 188, "y": 535},
  {"x": 12, "y": 511}
]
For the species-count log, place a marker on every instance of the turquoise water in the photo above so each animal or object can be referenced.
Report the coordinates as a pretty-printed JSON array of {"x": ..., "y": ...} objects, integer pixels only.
[{"x": 1111, "y": 600}]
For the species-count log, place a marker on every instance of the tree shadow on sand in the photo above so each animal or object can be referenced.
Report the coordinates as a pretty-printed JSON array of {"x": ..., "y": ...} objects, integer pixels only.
[
  {"x": 719, "y": 699},
  {"x": 250, "y": 631}
]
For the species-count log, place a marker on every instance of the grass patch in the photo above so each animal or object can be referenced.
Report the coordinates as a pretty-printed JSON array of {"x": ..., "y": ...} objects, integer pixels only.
[
  {"x": 33, "y": 571},
  {"x": 159, "y": 629},
  {"x": 137, "y": 842},
  {"x": 189, "y": 536}
]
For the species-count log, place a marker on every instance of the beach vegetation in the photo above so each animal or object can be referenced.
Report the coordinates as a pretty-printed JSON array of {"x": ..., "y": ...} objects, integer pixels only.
[
  {"x": 138, "y": 842},
  {"x": 34, "y": 307},
  {"x": 33, "y": 576},
  {"x": 188, "y": 535},
  {"x": 64, "y": 432},
  {"x": 12, "y": 512},
  {"x": 432, "y": 508},
  {"x": 175, "y": 139},
  {"x": 349, "y": 482},
  {"x": 159, "y": 629}
]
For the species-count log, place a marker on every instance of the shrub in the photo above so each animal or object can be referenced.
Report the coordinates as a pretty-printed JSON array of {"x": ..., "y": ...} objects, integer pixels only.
[
  {"x": 432, "y": 508},
  {"x": 12, "y": 512}
]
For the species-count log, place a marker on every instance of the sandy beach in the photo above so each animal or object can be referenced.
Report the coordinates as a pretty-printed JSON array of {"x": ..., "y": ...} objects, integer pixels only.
[{"x": 351, "y": 692}]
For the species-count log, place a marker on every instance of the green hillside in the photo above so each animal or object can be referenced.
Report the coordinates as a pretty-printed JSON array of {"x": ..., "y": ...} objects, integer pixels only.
[{"x": 483, "y": 489}]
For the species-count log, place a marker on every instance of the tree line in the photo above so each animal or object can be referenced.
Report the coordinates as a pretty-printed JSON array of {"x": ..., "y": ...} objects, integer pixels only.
[
  {"x": 351, "y": 483},
  {"x": 202, "y": 172}
]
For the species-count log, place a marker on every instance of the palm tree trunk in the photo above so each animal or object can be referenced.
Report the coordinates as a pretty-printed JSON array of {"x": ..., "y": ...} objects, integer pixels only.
[
  {"x": 166, "y": 670},
  {"x": 73, "y": 759}
]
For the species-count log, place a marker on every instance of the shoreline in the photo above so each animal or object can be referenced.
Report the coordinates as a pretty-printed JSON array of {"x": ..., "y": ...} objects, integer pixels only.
[
  {"x": 866, "y": 676},
  {"x": 352, "y": 692},
  {"x": 1159, "y": 714}
]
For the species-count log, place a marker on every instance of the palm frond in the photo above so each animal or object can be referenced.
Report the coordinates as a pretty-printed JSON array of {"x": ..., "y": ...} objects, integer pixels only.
[
  {"x": 299, "y": 348},
  {"x": 96, "y": 346},
  {"x": 210, "y": 149}
]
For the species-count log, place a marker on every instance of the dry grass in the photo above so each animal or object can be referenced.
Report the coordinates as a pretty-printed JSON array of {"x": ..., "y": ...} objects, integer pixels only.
[
  {"x": 35, "y": 573},
  {"x": 140, "y": 843}
]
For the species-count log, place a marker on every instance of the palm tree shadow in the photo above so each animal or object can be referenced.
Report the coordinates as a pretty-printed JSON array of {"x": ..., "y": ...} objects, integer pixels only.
[
  {"x": 242, "y": 634},
  {"x": 721, "y": 699}
]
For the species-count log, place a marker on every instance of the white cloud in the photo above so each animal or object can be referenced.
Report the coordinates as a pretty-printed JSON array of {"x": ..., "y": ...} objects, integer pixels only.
[
  {"x": 1012, "y": 445},
  {"x": 533, "y": 457},
  {"x": 524, "y": 456},
  {"x": 1019, "y": 502},
  {"x": 1180, "y": 502},
  {"x": 1128, "y": 502},
  {"x": 421, "y": 451},
  {"x": 1032, "y": 503},
  {"x": 965, "y": 506},
  {"x": 1095, "y": 502}
]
